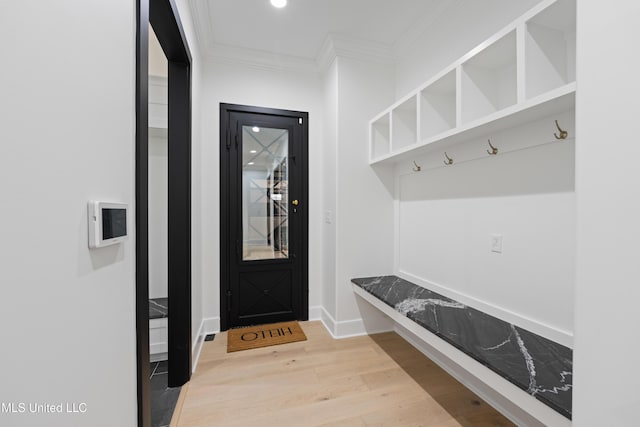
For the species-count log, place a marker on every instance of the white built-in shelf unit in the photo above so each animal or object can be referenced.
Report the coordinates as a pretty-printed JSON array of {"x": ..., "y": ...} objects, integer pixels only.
[{"x": 523, "y": 73}]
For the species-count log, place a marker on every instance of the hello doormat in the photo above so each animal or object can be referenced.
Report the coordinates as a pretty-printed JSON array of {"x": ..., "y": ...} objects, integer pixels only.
[{"x": 264, "y": 336}]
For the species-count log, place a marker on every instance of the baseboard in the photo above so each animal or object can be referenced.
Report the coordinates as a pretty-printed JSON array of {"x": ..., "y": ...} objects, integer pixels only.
[
  {"x": 315, "y": 313},
  {"x": 196, "y": 349},
  {"x": 211, "y": 325},
  {"x": 348, "y": 328},
  {"x": 208, "y": 326},
  {"x": 328, "y": 321},
  {"x": 344, "y": 329},
  {"x": 554, "y": 334}
]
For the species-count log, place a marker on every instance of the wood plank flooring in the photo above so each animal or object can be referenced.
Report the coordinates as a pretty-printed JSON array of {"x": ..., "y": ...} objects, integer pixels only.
[{"x": 377, "y": 380}]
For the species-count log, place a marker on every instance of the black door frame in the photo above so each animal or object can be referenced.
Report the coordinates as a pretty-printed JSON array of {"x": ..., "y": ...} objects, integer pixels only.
[
  {"x": 163, "y": 16},
  {"x": 225, "y": 256}
]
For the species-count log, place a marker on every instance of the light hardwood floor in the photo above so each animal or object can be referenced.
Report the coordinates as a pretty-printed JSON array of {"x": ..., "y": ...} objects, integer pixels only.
[{"x": 377, "y": 380}]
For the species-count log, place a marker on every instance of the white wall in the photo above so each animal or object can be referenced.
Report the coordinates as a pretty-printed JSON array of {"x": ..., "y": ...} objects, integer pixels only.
[
  {"x": 158, "y": 214},
  {"x": 607, "y": 189},
  {"x": 364, "y": 206},
  {"x": 242, "y": 84},
  {"x": 462, "y": 26},
  {"x": 67, "y": 312},
  {"x": 158, "y": 170},
  {"x": 330, "y": 188},
  {"x": 446, "y": 216},
  {"x": 158, "y": 98}
]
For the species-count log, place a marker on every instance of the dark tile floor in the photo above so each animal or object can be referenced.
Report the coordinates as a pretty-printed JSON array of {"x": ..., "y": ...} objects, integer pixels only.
[{"x": 163, "y": 398}]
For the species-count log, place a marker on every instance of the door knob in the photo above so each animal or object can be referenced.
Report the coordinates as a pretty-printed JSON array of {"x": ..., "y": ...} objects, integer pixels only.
[{"x": 294, "y": 202}]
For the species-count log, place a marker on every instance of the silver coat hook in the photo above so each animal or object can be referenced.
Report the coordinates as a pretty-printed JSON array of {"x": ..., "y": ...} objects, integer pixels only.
[
  {"x": 563, "y": 133},
  {"x": 449, "y": 160},
  {"x": 493, "y": 150},
  {"x": 417, "y": 168}
]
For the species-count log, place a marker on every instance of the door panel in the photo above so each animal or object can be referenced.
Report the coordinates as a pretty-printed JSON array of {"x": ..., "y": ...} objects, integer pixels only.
[
  {"x": 264, "y": 224},
  {"x": 265, "y": 293}
]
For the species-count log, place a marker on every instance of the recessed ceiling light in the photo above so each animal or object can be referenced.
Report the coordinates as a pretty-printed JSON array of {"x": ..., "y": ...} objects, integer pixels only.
[
  {"x": 253, "y": 151},
  {"x": 256, "y": 129},
  {"x": 251, "y": 163},
  {"x": 279, "y": 3}
]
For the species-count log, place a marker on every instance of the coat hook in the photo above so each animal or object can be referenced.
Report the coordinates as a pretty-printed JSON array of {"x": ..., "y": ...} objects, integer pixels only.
[
  {"x": 563, "y": 133},
  {"x": 493, "y": 150},
  {"x": 417, "y": 168},
  {"x": 449, "y": 160}
]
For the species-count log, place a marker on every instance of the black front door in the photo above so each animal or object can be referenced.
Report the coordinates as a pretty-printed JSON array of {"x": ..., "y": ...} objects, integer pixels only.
[{"x": 263, "y": 216}]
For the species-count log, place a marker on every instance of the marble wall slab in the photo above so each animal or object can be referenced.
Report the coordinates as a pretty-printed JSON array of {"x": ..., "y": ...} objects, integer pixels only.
[
  {"x": 158, "y": 308},
  {"x": 539, "y": 366}
]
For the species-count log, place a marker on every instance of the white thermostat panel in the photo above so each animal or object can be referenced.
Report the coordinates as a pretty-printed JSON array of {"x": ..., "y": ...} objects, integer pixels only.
[{"x": 107, "y": 223}]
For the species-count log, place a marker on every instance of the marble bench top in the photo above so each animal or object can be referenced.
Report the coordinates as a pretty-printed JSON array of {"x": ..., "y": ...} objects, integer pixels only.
[
  {"x": 537, "y": 365},
  {"x": 158, "y": 308}
]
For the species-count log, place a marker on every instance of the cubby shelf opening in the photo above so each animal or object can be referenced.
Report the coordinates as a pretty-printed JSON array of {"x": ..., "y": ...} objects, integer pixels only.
[
  {"x": 489, "y": 81},
  {"x": 550, "y": 48},
  {"x": 438, "y": 106},
  {"x": 404, "y": 124},
  {"x": 380, "y": 137}
]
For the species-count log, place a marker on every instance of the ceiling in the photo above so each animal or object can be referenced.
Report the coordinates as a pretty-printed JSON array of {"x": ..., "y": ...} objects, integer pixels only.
[{"x": 302, "y": 28}]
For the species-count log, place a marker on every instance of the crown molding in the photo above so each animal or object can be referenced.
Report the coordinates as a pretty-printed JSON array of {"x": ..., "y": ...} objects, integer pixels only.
[
  {"x": 336, "y": 45},
  {"x": 200, "y": 13},
  {"x": 259, "y": 59},
  {"x": 333, "y": 46},
  {"x": 227, "y": 54}
]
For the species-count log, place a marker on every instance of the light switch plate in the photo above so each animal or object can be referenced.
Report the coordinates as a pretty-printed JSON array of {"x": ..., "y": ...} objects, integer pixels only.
[
  {"x": 328, "y": 217},
  {"x": 496, "y": 243}
]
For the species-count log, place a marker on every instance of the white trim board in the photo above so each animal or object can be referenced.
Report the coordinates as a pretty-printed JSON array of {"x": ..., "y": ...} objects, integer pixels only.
[
  {"x": 315, "y": 312},
  {"x": 511, "y": 401},
  {"x": 208, "y": 326},
  {"x": 349, "y": 328},
  {"x": 196, "y": 348},
  {"x": 211, "y": 325}
]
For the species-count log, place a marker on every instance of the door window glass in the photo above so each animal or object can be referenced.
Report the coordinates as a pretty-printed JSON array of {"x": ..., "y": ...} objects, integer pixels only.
[{"x": 265, "y": 196}]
